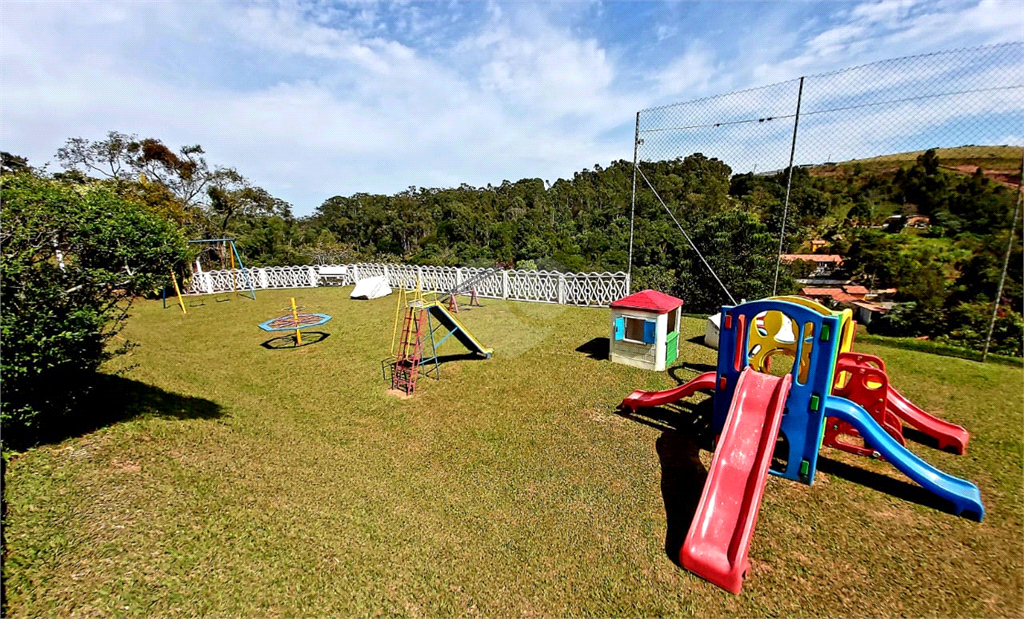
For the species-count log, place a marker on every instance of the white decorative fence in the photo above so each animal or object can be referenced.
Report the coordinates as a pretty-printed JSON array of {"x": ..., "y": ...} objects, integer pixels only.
[{"x": 590, "y": 289}]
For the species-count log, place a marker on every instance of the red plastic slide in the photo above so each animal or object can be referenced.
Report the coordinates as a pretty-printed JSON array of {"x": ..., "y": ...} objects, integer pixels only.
[
  {"x": 719, "y": 538},
  {"x": 640, "y": 399},
  {"x": 950, "y": 436}
]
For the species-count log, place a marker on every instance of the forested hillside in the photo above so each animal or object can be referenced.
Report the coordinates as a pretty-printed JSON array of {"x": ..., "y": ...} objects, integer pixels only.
[{"x": 947, "y": 274}]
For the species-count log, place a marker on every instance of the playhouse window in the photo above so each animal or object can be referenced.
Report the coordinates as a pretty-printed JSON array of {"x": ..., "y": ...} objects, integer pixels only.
[
  {"x": 671, "y": 321},
  {"x": 639, "y": 330}
]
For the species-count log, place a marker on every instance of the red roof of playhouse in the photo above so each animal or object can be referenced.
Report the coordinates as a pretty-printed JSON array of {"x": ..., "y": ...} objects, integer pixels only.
[{"x": 650, "y": 300}]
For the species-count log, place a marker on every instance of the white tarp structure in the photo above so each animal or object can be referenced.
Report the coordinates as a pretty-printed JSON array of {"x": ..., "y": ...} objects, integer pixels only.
[
  {"x": 711, "y": 330},
  {"x": 371, "y": 288}
]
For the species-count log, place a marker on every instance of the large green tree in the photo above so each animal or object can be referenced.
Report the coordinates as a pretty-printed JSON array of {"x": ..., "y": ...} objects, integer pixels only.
[{"x": 72, "y": 257}]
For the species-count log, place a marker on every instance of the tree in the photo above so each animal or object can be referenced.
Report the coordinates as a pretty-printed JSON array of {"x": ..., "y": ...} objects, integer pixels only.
[
  {"x": 742, "y": 253},
  {"x": 126, "y": 157},
  {"x": 71, "y": 259}
]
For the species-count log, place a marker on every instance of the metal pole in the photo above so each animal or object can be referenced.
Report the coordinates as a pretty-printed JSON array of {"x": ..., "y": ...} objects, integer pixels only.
[
  {"x": 789, "y": 184},
  {"x": 1006, "y": 263},
  {"x": 632, "y": 204}
]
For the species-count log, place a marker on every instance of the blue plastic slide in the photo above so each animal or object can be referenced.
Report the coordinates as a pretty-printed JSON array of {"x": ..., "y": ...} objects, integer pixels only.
[{"x": 964, "y": 495}]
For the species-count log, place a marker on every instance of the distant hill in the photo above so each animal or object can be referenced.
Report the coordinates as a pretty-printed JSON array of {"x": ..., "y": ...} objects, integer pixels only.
[{"x": 1000, "y": 163}]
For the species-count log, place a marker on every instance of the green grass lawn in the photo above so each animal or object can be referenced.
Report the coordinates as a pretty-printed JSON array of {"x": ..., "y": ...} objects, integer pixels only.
[{"x": 255, "y": 482}]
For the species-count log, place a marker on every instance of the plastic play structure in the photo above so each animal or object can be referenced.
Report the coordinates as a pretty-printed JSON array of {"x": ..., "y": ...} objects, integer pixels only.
[
  {"x": 829, "y": 394},
  {"x": 425, "y": 314},
  {"x": 295, "y": 321}
]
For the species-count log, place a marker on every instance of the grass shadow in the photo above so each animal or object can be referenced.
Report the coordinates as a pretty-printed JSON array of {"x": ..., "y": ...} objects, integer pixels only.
[
  {"x": 287, "y": 342},
  {"x": 462, "y": 356},
  {"x": 685, "y": 430},
  {"x": 919, "y": 437},
  {"x": 596, "y": 348},
  {"x": 697, "y": 339},
  {"x": 700, "y": 368},
  {"x": 883, "y": 483},
  {"x": 113, "y": 399}
]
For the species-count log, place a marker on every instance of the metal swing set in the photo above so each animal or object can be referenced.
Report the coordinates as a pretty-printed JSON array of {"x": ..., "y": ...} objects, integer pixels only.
[{"x": 241, "y": 282}]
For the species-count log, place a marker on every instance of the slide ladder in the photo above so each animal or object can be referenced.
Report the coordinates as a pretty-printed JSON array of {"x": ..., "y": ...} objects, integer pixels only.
[
  {"x": 717, "y": 543},
  {"x": 410, "y": 352}
]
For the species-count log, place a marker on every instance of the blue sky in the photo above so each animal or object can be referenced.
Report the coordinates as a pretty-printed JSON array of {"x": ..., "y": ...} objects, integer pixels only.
[{"x": 311, "y": 100}]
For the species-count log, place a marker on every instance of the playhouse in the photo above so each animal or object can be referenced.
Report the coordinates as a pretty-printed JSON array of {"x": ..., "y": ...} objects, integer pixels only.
[
  {"x": 769, "y": 423},
  {"x": 645, "y": 330}
]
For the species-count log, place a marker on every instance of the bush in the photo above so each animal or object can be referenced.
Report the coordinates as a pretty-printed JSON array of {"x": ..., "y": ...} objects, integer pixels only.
[
  {"x": 970, "y": 323},
  {"x": 71, "y": 259}
]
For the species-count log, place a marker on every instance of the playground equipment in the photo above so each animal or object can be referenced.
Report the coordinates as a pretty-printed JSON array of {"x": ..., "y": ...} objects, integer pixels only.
[
  {"x": 645, "y": 330},
  {"x": 424, "y": 315},
  {"x": 295, "y": 321},
  {"x": 239, "y": 276},
  {"x": 177, "y": 291},
  {"x": 759, "y": 415},
  {"x": 861, "y": 379}
]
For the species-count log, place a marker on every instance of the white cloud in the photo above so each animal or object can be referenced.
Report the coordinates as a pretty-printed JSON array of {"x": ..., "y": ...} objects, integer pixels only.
[
  {"x": 311, "y": 101},
  {"x": 691, "y": 73}
]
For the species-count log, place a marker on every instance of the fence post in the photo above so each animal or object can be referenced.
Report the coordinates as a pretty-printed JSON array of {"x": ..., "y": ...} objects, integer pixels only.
[
  {"x": 264, "y": 279},
  {"x": 207, "y": 281},
  {"x": 561, "y": 288},
  {"x": 313, "y": 277},
  {"x": 387, "y": 276},
  {"x": 504, "y": 285},
  {"x": 458, "y": 277}
]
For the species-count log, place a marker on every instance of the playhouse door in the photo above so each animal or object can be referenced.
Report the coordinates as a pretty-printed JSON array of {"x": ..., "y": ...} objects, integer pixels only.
[{"x": 671, "y": 348}]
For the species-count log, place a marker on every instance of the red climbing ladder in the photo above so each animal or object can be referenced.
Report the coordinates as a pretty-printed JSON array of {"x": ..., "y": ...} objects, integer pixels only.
[{"x": 410, "y": 351}]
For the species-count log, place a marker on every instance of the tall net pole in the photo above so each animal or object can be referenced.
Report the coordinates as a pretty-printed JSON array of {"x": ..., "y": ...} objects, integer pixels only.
[
  {"x": 789, "y": 186},
  {"x": 632, "y": 205},
  {"x": 1006, "y": 262}
]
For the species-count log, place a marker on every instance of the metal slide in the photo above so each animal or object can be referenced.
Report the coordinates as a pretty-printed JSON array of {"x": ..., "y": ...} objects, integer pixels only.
[{"x": 458, "y": 330}]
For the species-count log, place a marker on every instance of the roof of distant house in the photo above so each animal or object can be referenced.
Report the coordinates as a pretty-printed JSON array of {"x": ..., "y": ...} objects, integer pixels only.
[
  {"x": 820, "y": 292},
  {"x": 821, "y": 258},
  {"x": 855, "y": 289},
  {"x": 650, "y": 300},
  {"x": 870, "y": 306},
  {"x": 836, "y": 294}
]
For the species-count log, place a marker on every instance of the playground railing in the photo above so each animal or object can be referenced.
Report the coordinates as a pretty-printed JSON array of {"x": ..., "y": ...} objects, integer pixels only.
[{"x": 586, "y": 289}]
